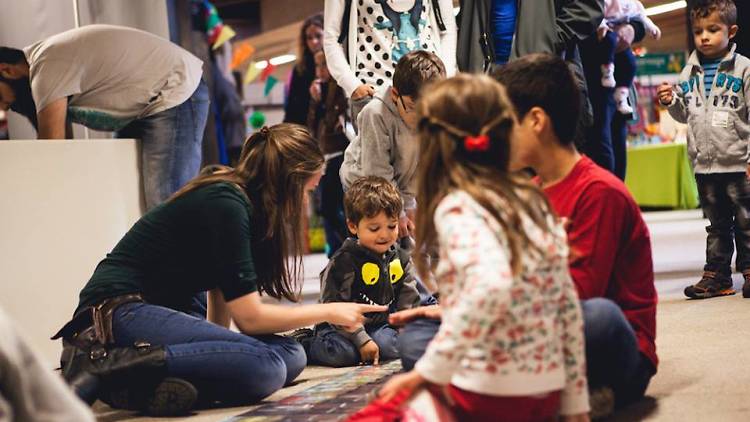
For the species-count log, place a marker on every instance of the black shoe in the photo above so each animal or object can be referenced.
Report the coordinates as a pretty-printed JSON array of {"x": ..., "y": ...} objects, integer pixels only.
[
  {"x": 711, "y": 285},
  {"x": 303, "y": 336},
  {"x": 170, "y": 397},
  {"x": 746, "y": 285},
  {"x": 601, "y": 402}
]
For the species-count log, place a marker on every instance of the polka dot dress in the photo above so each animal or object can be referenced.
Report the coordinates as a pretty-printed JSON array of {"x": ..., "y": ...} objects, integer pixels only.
[{"x": 379, "y": 46}]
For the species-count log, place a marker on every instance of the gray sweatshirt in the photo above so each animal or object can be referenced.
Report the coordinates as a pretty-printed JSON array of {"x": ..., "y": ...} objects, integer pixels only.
[
  {"x": 718, "y": 127},
  {"x": 385, "y": 147}
]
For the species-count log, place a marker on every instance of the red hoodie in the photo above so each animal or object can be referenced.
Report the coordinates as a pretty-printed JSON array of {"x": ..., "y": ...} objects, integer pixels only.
[{"x": 611, "y": 246}]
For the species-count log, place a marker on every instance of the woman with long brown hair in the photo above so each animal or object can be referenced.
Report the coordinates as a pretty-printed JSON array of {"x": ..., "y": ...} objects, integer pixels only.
[
  {"x": 235, "y": 233},
  {"x": 301, "y": 86}
]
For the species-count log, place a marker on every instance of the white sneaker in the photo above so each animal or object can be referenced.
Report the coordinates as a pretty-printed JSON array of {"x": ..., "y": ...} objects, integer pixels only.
[
  {"x": 622, "y": 100},
  {"x": 608, "y": 75}
]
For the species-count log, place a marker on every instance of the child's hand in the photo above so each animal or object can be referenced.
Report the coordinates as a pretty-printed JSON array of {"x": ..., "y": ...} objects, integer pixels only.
[
  {"x": 408, "y": 315},
  {"x": 362, "y": 91},
  {"x": 369, "y": 352},
  {"x": 410, "y": 381},
  {"x": 316, "y": 93},
  {"x": 406, "y": 224},
  {"x": 665, "y": 93},
  {"x": 601, "y": 32},
  {"x": 747, "y": 171},
  {"x": 655, "y": 33}
]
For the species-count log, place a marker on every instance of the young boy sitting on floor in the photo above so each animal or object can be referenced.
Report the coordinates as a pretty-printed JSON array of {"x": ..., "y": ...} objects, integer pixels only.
[{"x": 368, "y": 268}]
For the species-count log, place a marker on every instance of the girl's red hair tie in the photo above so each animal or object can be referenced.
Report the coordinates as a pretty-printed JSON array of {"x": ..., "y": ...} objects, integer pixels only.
[{"x": 477, "y": 143}]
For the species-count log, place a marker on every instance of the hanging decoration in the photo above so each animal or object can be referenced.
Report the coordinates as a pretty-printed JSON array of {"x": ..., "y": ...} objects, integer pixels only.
[
  {"x": 216, "y": 32},
  {"x": 242, "y": 52},
  {"x": 257, "y": 120},
  {"x": 270, "y": 83}
]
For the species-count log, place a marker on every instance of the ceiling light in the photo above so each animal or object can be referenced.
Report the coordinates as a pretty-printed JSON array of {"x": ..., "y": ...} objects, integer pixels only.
[
  {"x": 665, "y": 8},
  {"x": 285, "y": 58}
]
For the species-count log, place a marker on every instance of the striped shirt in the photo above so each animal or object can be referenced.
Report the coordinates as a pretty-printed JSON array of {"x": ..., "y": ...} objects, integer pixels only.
[{"x": 709, "y": 73}]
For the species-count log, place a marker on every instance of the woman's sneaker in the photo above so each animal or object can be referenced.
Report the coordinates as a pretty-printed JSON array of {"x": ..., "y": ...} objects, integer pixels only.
[{"x": 711, "y": 285}]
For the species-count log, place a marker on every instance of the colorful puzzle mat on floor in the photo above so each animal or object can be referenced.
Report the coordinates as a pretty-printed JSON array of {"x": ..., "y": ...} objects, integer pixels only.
[{"x": 331, "y": 400}]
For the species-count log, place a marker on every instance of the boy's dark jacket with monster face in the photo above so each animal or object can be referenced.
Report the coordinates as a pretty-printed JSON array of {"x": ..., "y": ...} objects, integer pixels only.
[{"x": 357, "y": 274}]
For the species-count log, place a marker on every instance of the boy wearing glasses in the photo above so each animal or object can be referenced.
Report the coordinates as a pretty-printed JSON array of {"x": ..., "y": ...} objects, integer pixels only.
[{"x": 386, "y": 125}]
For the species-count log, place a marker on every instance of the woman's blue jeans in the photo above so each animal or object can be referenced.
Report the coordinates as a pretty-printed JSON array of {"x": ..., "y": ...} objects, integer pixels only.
[{"x": 223, "y": 365}]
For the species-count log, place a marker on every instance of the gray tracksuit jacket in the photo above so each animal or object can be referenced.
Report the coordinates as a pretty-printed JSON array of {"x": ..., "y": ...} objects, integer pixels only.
[
  {"x": 718, "y": 127},
  {"x": 385, "y": 147}
]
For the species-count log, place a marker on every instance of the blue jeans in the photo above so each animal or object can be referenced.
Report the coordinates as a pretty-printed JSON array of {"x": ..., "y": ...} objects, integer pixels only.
[
  {"x": 171, "y": 145},
  {"x": 332, "y": 205},
  {"x": 612, "y": 355},
  {"x": 413, "y": 340},
  {"x": 329, "y": 348},
  {"x": 599, "y": 144},
  {"x": 223, "y": 365},
  {"x": 725, "y": 199}
]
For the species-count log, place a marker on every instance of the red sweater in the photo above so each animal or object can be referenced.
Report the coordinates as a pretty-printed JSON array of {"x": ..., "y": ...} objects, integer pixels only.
[{"x": 610, "y": 245}]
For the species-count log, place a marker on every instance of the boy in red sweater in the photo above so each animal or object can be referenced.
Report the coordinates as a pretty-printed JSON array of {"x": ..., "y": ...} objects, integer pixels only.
[{"x": 610, "y": 245}]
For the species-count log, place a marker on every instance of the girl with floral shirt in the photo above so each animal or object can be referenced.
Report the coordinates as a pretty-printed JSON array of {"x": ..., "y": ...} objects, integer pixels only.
[{"x": 511, "y": 339}]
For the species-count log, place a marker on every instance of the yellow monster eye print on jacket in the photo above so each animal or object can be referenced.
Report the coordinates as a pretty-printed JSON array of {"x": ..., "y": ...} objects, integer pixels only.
[
  {"x": 370, "y": 273},
  {"x": 396, "y": 270}
]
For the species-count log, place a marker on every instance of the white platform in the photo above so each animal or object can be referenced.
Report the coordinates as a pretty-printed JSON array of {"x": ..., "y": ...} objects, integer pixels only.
[{"x": 63, "y": 206}]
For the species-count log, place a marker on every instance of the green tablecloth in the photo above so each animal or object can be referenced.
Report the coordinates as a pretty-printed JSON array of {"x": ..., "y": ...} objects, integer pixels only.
[{"x": 661, "y": 176}]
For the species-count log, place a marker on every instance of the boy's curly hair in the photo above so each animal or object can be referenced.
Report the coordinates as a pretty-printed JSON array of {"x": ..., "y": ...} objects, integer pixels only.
[
  {"x": 726, "y": 8},
  {"x": 370, "y": 195}
]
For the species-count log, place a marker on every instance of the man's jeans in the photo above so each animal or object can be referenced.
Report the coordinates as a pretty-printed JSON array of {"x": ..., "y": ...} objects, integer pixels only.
[
  {"x": 329, "y": 348},
  {"x": 223, "y": 365},
  {"x": 171, "y": 143},
  {"x": 725, "y": 200},
  {"x": 612, "y": 354}
]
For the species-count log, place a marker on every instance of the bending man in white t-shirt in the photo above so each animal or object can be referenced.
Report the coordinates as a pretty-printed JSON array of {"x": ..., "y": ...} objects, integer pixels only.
[{"x": 120, "y": 79}]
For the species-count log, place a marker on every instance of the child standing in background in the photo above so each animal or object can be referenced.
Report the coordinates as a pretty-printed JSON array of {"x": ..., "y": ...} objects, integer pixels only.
[
  {"x": 713, "y": 98},
  {"x": 369, "y": 268},
  {"x": 327, "y": 121},
  {"x": 511, "y": 338}
]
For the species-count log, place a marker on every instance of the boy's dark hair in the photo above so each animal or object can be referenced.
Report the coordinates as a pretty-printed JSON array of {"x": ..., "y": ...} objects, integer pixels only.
[
  {"x": 370, "y": 195},
  {"x": 416, "y": 69},
  {"x": 24, "y": 102},
  {"x": 11, "y": 55},
  {"x": 544, "y": 81},
  {"x": 703, "y": 8}
]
